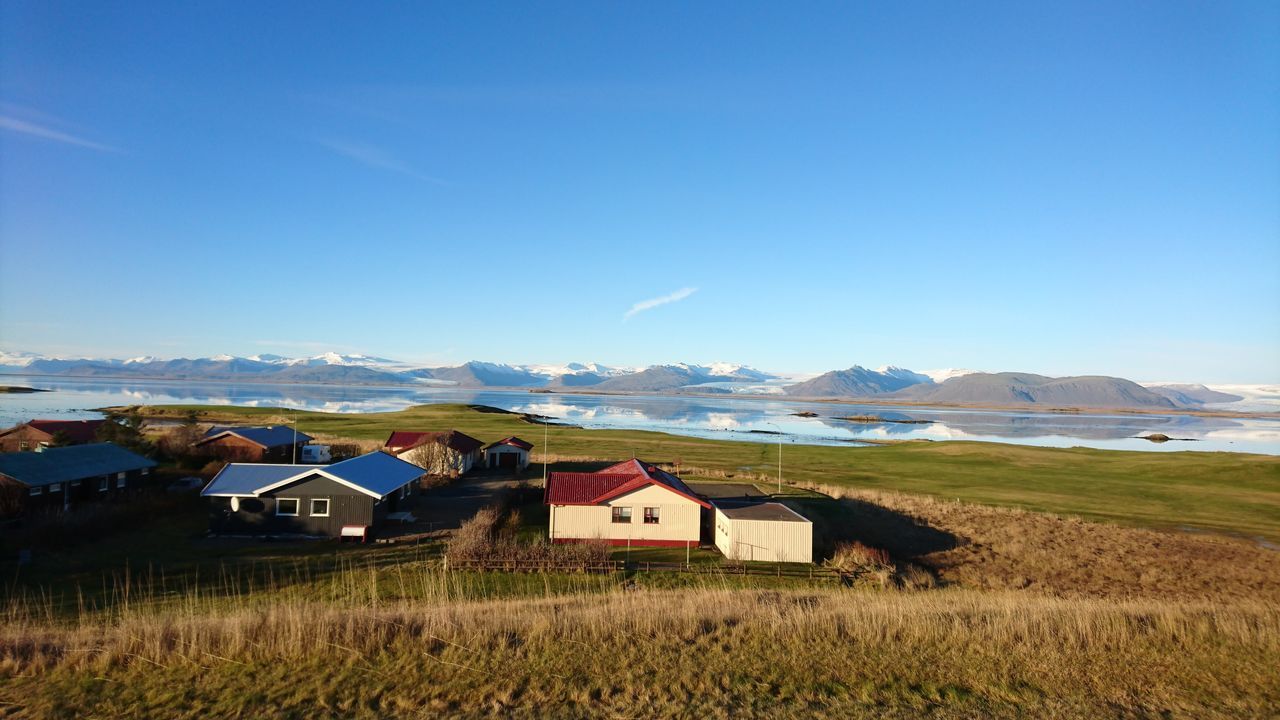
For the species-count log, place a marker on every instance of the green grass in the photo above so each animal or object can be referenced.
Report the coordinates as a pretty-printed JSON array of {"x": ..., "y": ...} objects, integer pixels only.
[{"x": 1227, "y": 492}]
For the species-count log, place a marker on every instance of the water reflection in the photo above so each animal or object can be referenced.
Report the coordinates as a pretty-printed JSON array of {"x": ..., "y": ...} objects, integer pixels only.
[{"x": 715, "y": 417}]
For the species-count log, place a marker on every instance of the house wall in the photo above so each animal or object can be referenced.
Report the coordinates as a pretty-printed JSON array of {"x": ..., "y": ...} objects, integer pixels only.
[
  {"x": 679, "y": 520},
  {"x": 23, "y": 438},
  {"x": 237, "y": 449},
  {"x": 18, "y": 498},
  {"x": 491, "y": 456},
  {"x": 257, "y": 516},
  {"x": 764, "y": 540},
  {"x": 438, "y": 459}
]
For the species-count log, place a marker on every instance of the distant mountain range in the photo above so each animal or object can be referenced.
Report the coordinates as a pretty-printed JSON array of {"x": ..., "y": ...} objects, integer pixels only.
[
  {"x": 947, "y": 386},
  {"x": 368, "y": 370}
]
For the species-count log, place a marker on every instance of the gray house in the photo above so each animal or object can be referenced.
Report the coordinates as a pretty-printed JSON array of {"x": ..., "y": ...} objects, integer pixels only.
[
  {"x": 64, "y": 477},
  {"x": 352, "y": 497}
]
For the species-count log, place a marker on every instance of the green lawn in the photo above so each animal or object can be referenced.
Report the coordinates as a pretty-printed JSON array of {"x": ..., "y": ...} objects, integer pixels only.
[{"x": 1228, "y": 492}]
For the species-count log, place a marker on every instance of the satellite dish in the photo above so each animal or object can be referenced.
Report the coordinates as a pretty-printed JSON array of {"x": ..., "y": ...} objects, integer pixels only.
[{"x": 235, "y": 504}]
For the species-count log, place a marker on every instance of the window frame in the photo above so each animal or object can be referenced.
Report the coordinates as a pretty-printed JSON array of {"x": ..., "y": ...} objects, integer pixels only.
[
  {"x": 311, "y": 507},
  {"x": 652, "y": 516},
  {"x": 297, "y": 506},
  {"x": 36, "y": 490},
  {"x": 104, "y": 484},
  {"x": 55, "y": 487},
  {"x": 122, "y": 480},
  {"x": 620, "y": 511}
]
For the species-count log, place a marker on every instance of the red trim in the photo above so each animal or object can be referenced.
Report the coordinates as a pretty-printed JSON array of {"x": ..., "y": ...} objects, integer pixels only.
[{"x": 623, "y": 543}]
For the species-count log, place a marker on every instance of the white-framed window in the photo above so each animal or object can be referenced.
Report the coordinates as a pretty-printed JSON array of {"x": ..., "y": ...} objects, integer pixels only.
[
  {"x": 104, "y": 484},
  {"x": 287, "y": 507},
  {"x": 37, "y": 490},
  {"x": 24, "y": 445},
  {"x": 622, "y": 514},
  {"x": 56, "y": 487},
  {"x": 651, "y": 516},
  {"x": 119, "y": 476},
  {"x": 120, "y": 480},
  {"x": 319, "y": 507}
]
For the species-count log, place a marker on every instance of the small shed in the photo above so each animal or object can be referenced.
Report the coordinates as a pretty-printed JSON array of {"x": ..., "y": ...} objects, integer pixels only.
[
  {"x": 763, "y": 531},
  {"x": 510, "y": 453}
]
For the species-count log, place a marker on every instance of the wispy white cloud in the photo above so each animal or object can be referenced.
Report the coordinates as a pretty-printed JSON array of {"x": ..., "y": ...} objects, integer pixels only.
[
  {"x": 643, "y": 305},
  {"x": 24, "y": 127},
  {"x": 375, "y": 157}
]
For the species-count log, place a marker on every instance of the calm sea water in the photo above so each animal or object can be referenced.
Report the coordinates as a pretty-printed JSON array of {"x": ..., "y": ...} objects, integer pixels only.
[{"x": 728, "y": 418}]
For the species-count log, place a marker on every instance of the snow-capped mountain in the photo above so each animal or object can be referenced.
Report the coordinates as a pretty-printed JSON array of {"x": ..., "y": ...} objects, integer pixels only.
[{"x": 908, "y": 376}]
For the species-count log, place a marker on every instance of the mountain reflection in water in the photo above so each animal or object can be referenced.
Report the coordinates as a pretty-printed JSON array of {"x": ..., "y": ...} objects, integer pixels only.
[{"x": 722, "y": 417}]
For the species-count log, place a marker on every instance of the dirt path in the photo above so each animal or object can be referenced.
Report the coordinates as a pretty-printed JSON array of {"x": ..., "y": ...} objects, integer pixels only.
[{"x": 446, "y": 508}]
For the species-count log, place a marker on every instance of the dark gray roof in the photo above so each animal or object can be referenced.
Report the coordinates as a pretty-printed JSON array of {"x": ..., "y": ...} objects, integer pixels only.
[
  {"x": 273, "y": 436},
  {"x": 377, "y": 473},
  {"x": 759, "y": 511},
  {"x": 64, "y": 464}
]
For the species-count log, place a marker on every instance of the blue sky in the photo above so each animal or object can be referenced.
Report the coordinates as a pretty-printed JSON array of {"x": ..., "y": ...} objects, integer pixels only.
[{"x": 1062, "y": 188}]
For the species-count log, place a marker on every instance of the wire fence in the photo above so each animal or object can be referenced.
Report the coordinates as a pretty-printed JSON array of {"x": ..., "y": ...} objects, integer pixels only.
[{"x": 811, "y": 572}]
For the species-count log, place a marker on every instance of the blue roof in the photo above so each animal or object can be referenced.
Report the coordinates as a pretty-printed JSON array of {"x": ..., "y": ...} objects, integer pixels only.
[
  {"x": 273, "y": 436},
  {"x": 246, "y": 478},
  {"x": 64, "y": 464},
  {"x": 376, "y": 473}
]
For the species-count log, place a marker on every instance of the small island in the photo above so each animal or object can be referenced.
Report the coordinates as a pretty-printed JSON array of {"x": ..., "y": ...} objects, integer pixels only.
[
  {"x": 20, "y": 389},
  {"x": 878, "y": 419}
]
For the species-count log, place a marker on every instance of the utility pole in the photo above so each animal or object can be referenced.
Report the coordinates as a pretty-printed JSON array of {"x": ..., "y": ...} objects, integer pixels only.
[
  {"x": 545, "y": 435},
  {"x": 295, "y": 439},
  {"x": 779, "y": 456}
]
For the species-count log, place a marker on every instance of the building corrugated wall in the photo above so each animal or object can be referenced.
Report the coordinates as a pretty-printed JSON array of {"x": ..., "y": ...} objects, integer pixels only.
[
  {"x": 764, "y": 540},
  {"x": 679, "y": 519}
]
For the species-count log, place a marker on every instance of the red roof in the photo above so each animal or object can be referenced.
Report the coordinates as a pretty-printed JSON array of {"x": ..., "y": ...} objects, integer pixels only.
[
  {"x": 513, "y": 441},
  {"x": 402, "y": 440},
  {"x": 77, "y": 431},
  {"x": 565, "y": 488}
]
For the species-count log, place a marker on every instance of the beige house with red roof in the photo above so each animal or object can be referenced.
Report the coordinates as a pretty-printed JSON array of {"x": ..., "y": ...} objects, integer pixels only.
[{"x": 630, "y": 503}]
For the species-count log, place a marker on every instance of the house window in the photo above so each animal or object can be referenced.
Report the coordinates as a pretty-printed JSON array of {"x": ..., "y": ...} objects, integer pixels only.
[
  {"x": 120, "y": 476},
  {"x": 37, "y": 490},
  {"x": 651, "y": 516},
  {"x": 104, "y": 484},
  {"x": 320, "y": 507},
  {"x": 120, "y": 480},
  {"x": 622, "y": 514},
  {"x": 287, "y": 507},
  {"x": 146, "y": 471},
  {"x": 24, "y": 445},
  {"x": 56, "y": 487}
]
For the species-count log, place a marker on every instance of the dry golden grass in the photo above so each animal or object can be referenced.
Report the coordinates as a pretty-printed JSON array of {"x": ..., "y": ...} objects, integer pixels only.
[
  {"x": 985, "y": 547},
  {"x": 703, "y": 653}
]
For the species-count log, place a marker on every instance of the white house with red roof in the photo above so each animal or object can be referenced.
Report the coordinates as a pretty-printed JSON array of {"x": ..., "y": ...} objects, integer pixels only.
[
  {"x": 445, "y": 453},
  {"x": 509, "y": 452},
  {"x": 631, "y": 503}
]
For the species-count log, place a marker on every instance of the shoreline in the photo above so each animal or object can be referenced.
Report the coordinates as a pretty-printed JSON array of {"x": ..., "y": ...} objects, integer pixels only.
[{"x": 880, "y": 402}]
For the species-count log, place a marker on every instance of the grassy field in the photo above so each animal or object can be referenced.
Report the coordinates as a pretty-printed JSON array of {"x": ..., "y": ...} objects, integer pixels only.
[
  {"x": 1225, "y": 492},
  {"x": 1038, "y": 615},
  {"x": 704, "y": 652}
]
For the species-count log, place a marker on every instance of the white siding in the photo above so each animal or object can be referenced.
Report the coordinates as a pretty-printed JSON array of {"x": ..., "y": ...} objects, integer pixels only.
[
  {"x": 679, "y": 518},
  {"x": 764, "y": 540},
  {"x": 521, "y": 463}
]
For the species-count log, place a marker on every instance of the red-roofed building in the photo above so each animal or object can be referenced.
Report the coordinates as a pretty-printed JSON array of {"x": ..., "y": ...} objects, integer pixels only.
[
  {"x": 40, "y": 434},
  {"x": 630, "y": 503},
  {"x": 447, "y": 452},
  {"x": 509, "y": 452}
]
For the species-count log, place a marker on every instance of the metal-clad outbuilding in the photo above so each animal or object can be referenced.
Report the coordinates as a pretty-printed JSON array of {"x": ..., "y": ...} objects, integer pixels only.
[{"x": 766, "y": 531}]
